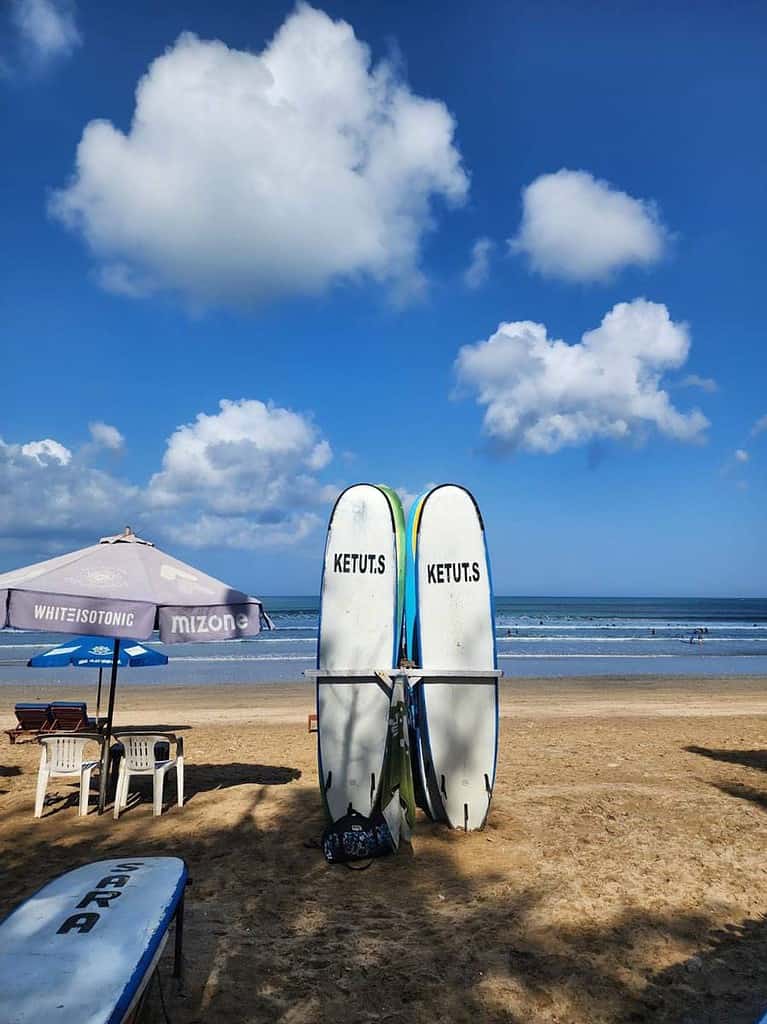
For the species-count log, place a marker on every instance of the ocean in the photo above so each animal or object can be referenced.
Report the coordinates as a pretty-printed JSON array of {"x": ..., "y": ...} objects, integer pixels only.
[{"x": 536, "y": 636}]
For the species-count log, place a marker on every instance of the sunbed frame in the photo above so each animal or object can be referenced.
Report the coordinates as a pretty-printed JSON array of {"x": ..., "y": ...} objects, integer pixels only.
[{"x": 33, "y": 721}]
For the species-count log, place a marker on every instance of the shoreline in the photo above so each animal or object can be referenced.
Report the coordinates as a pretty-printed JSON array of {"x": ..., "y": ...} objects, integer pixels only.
[{"x": 641, "y": 696}]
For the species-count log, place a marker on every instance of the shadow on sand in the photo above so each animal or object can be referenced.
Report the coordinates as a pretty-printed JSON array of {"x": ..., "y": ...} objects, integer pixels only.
[
  {"x": 747, "y": 758},
  {"x": 204, "y": 778},
  {"x": 275, "y": 934},
  {"x": 754, "y": 759}
]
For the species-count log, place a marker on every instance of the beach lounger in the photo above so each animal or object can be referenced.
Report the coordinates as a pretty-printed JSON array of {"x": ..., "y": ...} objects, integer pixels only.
[
  {"x": 32, "y": 719},
  {"x": 71, "y": 716},
  {"x": 139, "y": 758},
  {"x": 85, "y": 946},
  {"x": 63, "y": 757}
]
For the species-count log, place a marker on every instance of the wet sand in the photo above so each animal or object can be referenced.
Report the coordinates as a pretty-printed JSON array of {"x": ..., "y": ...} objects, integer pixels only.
[{"x": 622, "y": 875}]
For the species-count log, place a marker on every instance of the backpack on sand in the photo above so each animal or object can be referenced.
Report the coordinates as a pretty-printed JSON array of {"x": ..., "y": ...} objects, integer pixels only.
[{"x": 355, "y": 837}]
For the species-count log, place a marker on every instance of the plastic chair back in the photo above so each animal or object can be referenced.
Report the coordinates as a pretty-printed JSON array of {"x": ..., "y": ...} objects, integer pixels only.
[
  {"x": 64, "y": 753},
  {"x": 140, "y": 751}
]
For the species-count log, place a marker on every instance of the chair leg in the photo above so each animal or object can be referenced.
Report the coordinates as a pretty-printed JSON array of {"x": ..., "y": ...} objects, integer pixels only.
[
  {"x": 119, "y": 791},
  {"x": 180, "y": 780},
  {"x": 85, "y": 791},
  {"x": 126, "y": 790},
  {"x": 42, "y": 786},
  {"x": 158, "y": 787}
]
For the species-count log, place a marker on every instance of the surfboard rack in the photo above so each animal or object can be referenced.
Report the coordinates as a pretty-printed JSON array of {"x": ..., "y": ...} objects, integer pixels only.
[
  {"x": 460, "y": 791},
  {"x": 410, "y": 673}
]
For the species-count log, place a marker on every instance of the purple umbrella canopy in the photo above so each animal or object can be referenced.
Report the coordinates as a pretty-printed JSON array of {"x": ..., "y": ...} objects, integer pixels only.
[{"x": 126, "y": 587}]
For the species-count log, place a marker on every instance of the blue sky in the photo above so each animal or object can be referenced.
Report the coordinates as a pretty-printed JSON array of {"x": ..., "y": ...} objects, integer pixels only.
[{"x": 288, "y": 227}]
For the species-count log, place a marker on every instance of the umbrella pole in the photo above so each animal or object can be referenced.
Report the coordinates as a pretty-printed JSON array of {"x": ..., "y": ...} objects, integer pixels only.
[
  {"x": 98, "y": 696},
  {"x": 107, "y": 734}
]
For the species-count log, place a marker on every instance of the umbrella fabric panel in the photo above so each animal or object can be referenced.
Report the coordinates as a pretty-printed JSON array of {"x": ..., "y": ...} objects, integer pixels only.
[
  {"x": 31, "y": 572},
  {"x": 55, "y": 658},
  {"x": 173, "y": 582},
  {"x": 220, "y": 622},
  {"x": 139, "y": 656},
  {"x": 97, "y": 652},
  {"x": 56, "y": 612},
  {"x": 130, "y": 571}
]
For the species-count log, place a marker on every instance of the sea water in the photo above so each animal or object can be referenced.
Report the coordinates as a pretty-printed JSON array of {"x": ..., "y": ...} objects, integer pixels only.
[{"x": 552, "y": 636}]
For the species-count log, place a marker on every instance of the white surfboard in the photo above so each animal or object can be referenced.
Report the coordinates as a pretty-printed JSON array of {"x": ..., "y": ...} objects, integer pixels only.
[
  {"x": 82, "y": 949},
  {"x": 360, "y": 631},
  {"x": 451, "y": 630}
]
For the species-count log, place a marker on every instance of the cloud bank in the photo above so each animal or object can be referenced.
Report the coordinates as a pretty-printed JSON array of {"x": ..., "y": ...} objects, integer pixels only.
[
  {"x": 248, "y": 176},
  {"x": 542, "y": 394},
  {"x": 579, "y": 228},
  {"x": 49, "y": 496},
  {"x": 244, "y": 477}
]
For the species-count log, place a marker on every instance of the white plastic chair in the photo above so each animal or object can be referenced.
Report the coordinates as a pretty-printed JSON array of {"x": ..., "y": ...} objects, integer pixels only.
[
  {"x": 139, "y": 759},
  {"x": 62, "y": 757}
]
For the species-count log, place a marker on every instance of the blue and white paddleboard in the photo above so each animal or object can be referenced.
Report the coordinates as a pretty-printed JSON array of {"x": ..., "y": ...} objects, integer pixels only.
[
  {"x": 82, "y": 949},
  {"x": 360, "y": 632},
  {"x": 450, "y": 628}
]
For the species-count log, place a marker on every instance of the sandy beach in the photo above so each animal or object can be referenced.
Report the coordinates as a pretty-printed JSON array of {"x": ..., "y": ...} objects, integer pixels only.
[{"x": 621, "y": 877}]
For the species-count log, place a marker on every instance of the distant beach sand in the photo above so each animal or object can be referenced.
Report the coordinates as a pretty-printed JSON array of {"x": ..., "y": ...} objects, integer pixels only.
[{"x": 622, "y": 875}]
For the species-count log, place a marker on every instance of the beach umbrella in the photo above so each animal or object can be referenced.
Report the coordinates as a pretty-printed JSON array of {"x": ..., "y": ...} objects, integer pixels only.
[
  {"x": 98, "y": 652},
  {"x": 125, "y": 587}
]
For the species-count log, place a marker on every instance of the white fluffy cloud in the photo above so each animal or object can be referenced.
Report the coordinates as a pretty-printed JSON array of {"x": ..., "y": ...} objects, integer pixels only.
[
  {"x": 580, "y": 228},
  {"x": 49, "y": 495},
  {"x": 760, "y": 426},
  {"x": 247, "y": 473},
  {"x": 106, "y": 436},
  {"x": 741, "y": 455},
  {"x": 246, "y": 176},
  {"x": 46, "y": 452},
  {"x": 542, "y": 394},
  {"x": 47, "y": 28},
  {"x": 478, "y": 270}
]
